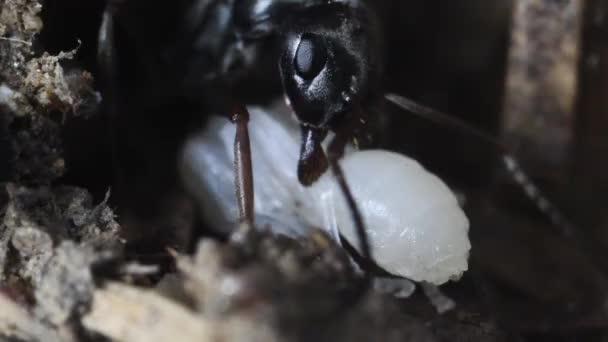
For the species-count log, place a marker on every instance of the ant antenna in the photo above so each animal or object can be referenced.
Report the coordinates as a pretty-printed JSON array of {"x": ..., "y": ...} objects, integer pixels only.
[
  {"x": 352, "y": 205},
  {"x": 542, "y": 203}
]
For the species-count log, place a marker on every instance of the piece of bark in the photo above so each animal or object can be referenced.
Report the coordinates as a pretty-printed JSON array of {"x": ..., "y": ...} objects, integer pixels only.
[
  {"x": 66, "y": 285},
  {"x": 541, "y": 83},
  {"x": 125, "y": 313},
  {"x": 589, "y": 177},
  {"x": 18, "y": 324}
]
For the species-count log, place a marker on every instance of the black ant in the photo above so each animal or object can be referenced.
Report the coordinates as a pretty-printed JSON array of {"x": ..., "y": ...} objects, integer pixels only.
[
  {"x": 329, "y": 61},
  {"x": 329, "y": 68}
]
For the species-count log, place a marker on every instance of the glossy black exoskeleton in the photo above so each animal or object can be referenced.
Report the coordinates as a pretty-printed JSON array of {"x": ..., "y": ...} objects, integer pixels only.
[{"x": 329, "y": 56}]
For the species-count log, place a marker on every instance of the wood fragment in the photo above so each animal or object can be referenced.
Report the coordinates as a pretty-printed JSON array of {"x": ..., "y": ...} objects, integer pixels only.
[
  {"x": 17, "y": 323},
  {"x": 126, "y": 313},
  {"x": 589, "y": 181},
  {"x": 541, "y": 83}
]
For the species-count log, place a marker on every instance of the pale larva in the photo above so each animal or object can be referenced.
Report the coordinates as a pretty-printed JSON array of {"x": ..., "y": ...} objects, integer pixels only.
[{"x": 415, "y": 226}]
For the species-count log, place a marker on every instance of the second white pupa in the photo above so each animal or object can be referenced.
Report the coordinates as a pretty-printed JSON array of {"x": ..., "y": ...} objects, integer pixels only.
[{"x": 414, "y": 223}]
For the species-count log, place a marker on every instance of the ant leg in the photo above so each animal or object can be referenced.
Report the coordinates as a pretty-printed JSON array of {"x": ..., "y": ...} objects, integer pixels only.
[
  {"x": 108, "y": 79},
  {"x": 242, "y": 165},
  {"x": 106, "y": 57},
  {"x": 542, "y": 203},
  {"x": 335, "y": 152},
  {"x": 312, "y": 164}
]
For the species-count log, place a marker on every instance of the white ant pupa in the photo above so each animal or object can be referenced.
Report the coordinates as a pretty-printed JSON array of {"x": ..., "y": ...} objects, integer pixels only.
[{"x": 415, "y": 225}]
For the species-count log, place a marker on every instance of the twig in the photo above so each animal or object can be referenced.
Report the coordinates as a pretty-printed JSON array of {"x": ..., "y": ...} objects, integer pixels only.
[{"x": 16, "y": 40}]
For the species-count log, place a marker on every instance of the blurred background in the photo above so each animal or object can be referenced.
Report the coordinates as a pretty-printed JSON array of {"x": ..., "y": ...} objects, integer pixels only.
[{"x": 531, "y": 72}]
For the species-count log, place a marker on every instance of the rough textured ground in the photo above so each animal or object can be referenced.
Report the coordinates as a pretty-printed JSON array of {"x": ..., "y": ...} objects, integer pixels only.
[{"x": 65, "y": 278}]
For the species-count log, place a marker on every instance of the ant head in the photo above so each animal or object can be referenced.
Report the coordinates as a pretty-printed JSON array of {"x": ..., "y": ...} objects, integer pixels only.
[
  {"x": 328, "y": 63},
  {"x": 329, "y": 67}
]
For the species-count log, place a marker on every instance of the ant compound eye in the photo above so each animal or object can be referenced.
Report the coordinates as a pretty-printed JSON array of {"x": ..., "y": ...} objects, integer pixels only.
[{"x": 311, "y": 57}]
